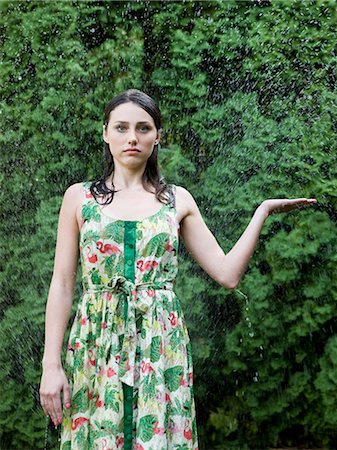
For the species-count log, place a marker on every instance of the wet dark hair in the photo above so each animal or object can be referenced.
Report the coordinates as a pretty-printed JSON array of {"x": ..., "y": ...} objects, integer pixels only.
[{"x": 151, "y": 175}]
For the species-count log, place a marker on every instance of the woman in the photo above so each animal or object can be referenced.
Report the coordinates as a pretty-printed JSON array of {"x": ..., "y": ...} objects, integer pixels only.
[{"x": 128, "y": 376}]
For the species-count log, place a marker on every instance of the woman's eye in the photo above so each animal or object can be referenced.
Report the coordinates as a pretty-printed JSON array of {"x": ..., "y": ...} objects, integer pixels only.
[{"x": 143, "y": 128}]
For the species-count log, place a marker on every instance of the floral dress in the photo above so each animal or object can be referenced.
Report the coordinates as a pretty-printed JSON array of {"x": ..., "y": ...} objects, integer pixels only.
[{"x": 129, "y": 360}]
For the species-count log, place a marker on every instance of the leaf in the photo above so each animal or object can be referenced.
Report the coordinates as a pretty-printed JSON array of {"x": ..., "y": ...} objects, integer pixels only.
[
  {"x": 155, "y": 349},
  {"x": 149, "y": 386},
  {"x": 172, "y": 377},
  {"x": 80, "y": 402},
  {"x": 110, "y": 264},
  {"x": 80, "y": 436},
  {"x": 156, "y": 246},
  {"x": 95, "y": 277},
  {"x": 175, "y": 339},
  {"x": 91, "y": 211},
  {"x": 115, "y": 231},
  {"x": 89, "y": 236},
  {"x": 146, "y": 427},
  {"x": 66, "y": 445},
  {"x": 111, "y": 400},
  {"x": 79, "y": 358},
  {"x": 109, "y": 426}
]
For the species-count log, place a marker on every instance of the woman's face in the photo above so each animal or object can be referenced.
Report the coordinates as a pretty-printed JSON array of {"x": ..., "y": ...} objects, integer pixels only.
[{"x": 130, "y": 126}]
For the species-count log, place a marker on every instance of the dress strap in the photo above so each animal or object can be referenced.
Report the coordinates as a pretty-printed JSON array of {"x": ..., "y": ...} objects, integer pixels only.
[
  {"x": 86, "y": 199},
  {"x": 86, "y": 186},
  {"x": 172, "y": 193},
  {"x": 87, "y": 195}
]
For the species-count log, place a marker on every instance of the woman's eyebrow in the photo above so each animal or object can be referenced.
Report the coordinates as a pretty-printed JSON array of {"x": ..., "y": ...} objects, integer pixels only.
[{"x": 122, "y": 121}]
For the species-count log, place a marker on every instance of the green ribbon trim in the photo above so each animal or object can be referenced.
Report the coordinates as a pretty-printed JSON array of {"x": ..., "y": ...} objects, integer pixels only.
[{"x": 129, "y": 272}]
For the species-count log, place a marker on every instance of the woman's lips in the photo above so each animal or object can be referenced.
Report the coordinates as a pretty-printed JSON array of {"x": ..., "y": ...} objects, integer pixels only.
[{"x": 132, "y": 151}]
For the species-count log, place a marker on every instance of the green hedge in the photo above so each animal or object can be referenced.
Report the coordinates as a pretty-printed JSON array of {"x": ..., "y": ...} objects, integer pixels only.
[{"x": 248, "y": 94}]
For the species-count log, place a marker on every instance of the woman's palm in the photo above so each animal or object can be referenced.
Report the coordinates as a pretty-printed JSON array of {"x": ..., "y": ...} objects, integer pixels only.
[{"x": 286, "y": 204}]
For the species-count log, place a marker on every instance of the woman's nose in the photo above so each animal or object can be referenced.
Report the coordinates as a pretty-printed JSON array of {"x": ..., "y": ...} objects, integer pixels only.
[{"x": 132, "y": 136}]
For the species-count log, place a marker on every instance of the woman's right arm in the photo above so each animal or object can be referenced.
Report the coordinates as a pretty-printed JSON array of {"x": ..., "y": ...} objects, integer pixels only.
[{"x": 59, "y": 304}]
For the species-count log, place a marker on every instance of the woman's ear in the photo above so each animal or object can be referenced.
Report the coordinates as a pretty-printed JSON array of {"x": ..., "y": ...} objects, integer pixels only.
[
  {"x": 104, "y": 134},
  {"x": 159, "y": 133}
]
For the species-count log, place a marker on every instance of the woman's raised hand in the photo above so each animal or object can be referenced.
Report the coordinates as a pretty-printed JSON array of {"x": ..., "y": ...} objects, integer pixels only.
[
  {"x": 272, "y": 206},
  {"x": 53, "y": 381}
]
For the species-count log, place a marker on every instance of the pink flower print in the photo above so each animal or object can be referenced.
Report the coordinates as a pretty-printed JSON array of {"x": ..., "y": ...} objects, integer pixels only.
[
  {"x": 161, "y": 349},
  {"x": 105, "y": 445},
  {"x": 110, "y": 372},
  {"x": 88, "y": 195},
  {"x": 169, "y": 247},
  {"x": 183, "y": 382},
  {"x": 146, "y": 368},
  {"x": 188, "y": 433},
  {"x": 160, "y": 397},
  {"x": 168, "y": 398},
  {"x": 120, "y": 442},
  {"x": 103, "y": 325},
  {"x": 173, "y": 427},
  {"x": 101, "y": 372},
  {"x": 158, "y": 430},
  {"x": 146, "y": 266},
  {"x": 190, "y": 377},
  {"x": 107, "y": 248},
  {"x": 173, "y": 319},
  {"x": 84, "y": 320},
  {"x": 77, "y": 345},
  {"x": 139, "y": 447},
  {"x": 92, "y": 360},
  {"x": 99, "y": 403},
  {"x": 78, "y": 422},
  {"x": 151, "y": 292},
  {"x": 91, "y": 258}
]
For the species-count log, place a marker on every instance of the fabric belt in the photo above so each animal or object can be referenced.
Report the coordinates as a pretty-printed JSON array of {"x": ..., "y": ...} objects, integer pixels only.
[{"x": 119, "y": 284}]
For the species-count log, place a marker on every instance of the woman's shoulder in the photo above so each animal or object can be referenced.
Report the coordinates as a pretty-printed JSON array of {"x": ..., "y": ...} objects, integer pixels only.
[
  {"x": 75, "y": 193},
  {"x": 183, "y": 194},
  {"x": 80, "y": 187},
  {"x": 185, "y": 202},
  {"x": 76, "y": 189}
]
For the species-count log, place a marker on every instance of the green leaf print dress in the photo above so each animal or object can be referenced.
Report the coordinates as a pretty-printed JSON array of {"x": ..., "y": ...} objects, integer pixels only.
[{"x": 129, "y": 360}]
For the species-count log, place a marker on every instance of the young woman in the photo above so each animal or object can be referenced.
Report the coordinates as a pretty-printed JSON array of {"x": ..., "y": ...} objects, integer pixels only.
[{"x": 127, "y": 381}]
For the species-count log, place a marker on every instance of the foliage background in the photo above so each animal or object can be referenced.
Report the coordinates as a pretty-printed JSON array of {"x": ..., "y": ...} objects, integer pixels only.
[{"x": 248, "y": 94}]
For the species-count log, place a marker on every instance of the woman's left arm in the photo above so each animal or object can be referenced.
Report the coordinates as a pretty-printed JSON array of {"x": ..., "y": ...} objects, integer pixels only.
[{"x": 227, "y": 269}]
